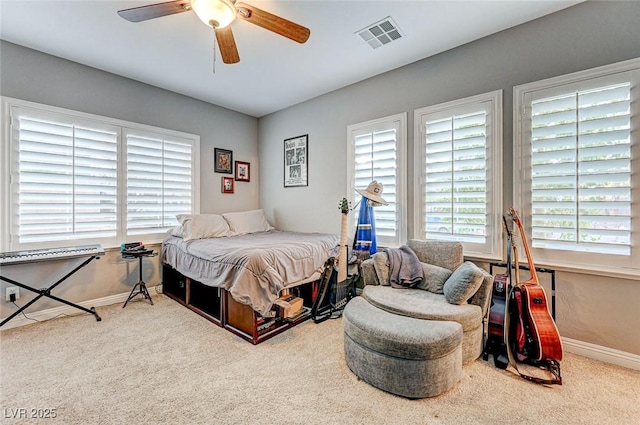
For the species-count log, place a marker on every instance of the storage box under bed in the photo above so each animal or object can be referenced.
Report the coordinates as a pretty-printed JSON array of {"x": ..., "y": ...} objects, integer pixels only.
[{"x": 218, "y": 306}]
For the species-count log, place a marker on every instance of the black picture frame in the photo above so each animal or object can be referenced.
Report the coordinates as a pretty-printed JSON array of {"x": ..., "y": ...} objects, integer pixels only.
[
  {"x": 223, "y": 161},
  {"x": 296, "y": 161}
]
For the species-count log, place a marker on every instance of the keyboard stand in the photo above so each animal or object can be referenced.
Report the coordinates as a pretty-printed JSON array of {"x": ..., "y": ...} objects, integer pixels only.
[{"x": 46, "y": 292}]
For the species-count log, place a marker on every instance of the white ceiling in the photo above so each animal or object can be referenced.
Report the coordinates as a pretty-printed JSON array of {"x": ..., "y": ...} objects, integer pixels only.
[{"x": 175, "y": 52}]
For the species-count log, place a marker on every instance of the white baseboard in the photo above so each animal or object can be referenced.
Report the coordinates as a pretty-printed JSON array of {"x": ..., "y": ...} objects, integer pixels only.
[
  {"x": 605, "y": 354},
  {"x": 51, "y": 313}
]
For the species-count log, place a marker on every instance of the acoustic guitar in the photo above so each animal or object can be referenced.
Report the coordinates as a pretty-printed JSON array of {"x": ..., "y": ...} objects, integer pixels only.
[{"x": 536, "y": 336}]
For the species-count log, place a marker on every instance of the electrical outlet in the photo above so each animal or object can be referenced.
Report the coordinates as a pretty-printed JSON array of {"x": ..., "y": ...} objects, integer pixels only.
[{"x": 14, "y": 290}]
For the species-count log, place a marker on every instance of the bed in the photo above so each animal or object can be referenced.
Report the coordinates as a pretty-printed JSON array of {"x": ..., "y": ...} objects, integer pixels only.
[
  {"x": 245, "y": 259},
  {"x": 253, "y": 268}
]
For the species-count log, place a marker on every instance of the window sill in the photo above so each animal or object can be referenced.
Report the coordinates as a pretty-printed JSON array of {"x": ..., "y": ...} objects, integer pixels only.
[{"x": 618, "y": 273}]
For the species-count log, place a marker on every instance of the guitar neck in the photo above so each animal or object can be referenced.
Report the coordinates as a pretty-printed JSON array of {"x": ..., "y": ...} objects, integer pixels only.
[
  {"x": 516, "y": 260},
  {"x": 525, "y": 244},
  {"x": 509, "y": 244},
  {"x": 342, "y": 256}
]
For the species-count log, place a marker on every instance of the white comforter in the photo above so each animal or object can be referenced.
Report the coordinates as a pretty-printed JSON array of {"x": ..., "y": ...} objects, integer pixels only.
[{"x": 254, "y": 268}]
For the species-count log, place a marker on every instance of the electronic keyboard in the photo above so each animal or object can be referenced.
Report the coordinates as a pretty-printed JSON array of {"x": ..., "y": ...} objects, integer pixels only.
[{"x": 36, "y": 255}]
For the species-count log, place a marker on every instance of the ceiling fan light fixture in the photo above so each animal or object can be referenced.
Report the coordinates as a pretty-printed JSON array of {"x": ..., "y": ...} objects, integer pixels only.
[
  {"x": 215, "y": 13},
  {"x": 218, "y": 14}
]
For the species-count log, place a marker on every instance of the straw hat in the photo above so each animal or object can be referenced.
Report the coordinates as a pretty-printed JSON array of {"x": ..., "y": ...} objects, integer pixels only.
[{"x": 373, "y": 192}]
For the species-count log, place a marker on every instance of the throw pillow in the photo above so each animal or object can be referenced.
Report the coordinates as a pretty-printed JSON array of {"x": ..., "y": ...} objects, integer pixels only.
[
  {"x": 245, "y": 222},
  {"x": 463, "y": 283},
  {"x": 202, "y": 226},
  {"x": 381, "y": 266},
  {"x": 434, "y": 278}
]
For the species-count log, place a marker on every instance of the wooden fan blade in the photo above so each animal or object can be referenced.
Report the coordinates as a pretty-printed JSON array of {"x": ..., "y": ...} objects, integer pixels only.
[
  {"x": 227, "y": 45},
  {"x": 151, "y": 11},
  {"x": 273, "y": 23}
]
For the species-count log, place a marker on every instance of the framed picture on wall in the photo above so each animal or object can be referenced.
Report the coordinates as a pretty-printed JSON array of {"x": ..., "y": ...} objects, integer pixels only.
[
  {"x": 223, "y": 161},
  {"x": 295, "y": 161},
  {"x": 243, "y": 171},
  {"x": 227, "y": 185}
]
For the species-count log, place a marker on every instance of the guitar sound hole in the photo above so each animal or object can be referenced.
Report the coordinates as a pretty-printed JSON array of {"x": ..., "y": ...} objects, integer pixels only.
[{"x": 537, "y": 300}]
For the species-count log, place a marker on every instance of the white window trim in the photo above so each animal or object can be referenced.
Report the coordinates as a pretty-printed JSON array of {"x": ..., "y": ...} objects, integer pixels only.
[
  {"x": 522, "y": 203},
  {"x": 6, "y": 160},
  {"x": 494, "y": 167},
  {"x": 401, "y": 195}
]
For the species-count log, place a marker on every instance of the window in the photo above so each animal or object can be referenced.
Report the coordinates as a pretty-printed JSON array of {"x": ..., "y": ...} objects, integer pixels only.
[
  {"x": 459, "y": 160},
  {"x": 376, "y": 152},
  {"x": 80, "y": 179},
  {"x": 575, "y": 138},
  {"x": 159, "y": 181}
]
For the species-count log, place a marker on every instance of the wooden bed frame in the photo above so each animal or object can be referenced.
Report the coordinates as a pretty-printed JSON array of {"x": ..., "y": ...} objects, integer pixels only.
[{"x": 218, "y": 306}]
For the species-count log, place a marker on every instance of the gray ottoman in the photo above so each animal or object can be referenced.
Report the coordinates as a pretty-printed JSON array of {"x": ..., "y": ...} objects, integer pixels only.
[{"x": 413, "y": 358}]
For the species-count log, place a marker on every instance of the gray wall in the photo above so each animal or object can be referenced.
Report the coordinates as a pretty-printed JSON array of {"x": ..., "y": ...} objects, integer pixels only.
[
  {"x": 34, "y": 76},
  {"x": 598, "y": 310}
]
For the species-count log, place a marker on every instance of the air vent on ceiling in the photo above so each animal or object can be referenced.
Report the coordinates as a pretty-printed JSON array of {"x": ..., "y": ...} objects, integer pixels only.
[{"x": 380, "y": 33}]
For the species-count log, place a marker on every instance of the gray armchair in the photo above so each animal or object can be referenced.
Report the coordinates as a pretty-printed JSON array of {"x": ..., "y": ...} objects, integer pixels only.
[
  {"x": 442, "y": 265},
  {"x": 414, "y": 341}
]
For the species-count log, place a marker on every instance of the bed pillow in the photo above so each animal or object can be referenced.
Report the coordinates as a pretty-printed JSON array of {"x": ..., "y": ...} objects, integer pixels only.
[
  {"x": 245, "y": 222},
  {"x": 202, "y": 226},
  {"x": 176, "y": 231},
  {"x": 463, "y": 283}
]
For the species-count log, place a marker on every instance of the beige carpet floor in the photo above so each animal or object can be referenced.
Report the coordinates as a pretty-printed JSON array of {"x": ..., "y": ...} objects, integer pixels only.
[{"x": 163, "y": 364}]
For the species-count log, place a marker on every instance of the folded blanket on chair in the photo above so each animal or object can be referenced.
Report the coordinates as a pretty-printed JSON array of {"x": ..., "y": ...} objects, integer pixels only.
[{"x": 405, "y": 270}]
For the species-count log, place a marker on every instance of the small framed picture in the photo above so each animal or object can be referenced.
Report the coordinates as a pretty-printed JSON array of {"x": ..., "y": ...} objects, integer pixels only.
[
  {"x": 243, "y": 171},
  {"x": 227, "y": 185},
  {"x": 223, "y": 160}
]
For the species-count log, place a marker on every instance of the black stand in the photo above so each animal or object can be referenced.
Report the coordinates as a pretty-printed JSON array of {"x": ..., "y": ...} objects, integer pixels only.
[
  {"x": 46, "y": 292},
  {"x": 142, "y": 287}
]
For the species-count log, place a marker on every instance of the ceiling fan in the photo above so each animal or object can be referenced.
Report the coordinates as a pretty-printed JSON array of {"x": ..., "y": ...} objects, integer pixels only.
[{"x": 218, "y": 14}]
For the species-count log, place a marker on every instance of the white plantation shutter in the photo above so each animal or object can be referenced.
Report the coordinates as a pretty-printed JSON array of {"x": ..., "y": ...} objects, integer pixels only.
[
  {"x": 455, "y": 176},
  {"x": 65, "y": 178},
  {"x": 575, "y": 141},
  {"x": 79, "y": 179},
  {"x": 375, "y": 159},
  {"x": 377, "y": 153},
  {"x": 459, "y": 145},
  {"x": 581, "y": 170},
  {"x": 159, "y": 181}
]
